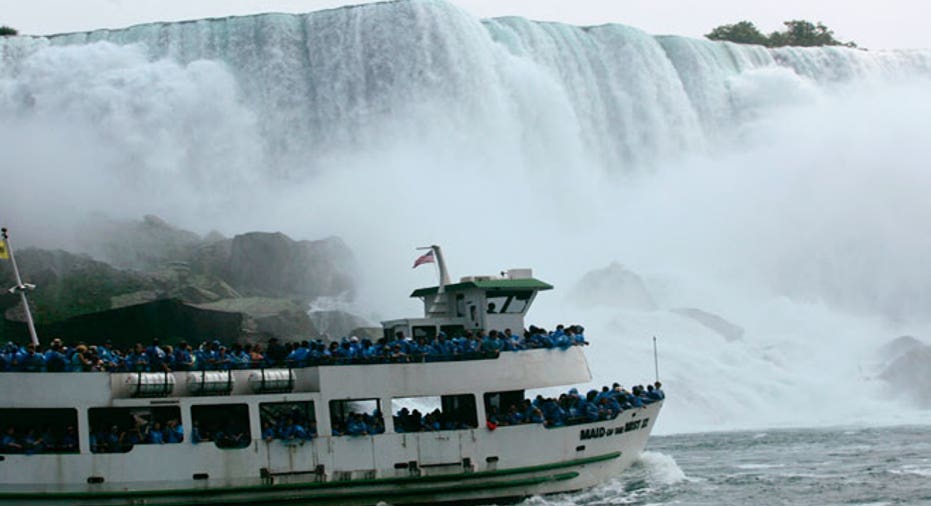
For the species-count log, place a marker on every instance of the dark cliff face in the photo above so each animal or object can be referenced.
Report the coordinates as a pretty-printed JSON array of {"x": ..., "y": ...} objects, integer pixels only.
[
  {"x": 266, "y": 264},
  {"x": 253, "y": 274}
]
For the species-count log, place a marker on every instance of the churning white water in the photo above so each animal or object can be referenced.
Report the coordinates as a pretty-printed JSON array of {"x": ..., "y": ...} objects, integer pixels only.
[{"x": 782, "y": 192}]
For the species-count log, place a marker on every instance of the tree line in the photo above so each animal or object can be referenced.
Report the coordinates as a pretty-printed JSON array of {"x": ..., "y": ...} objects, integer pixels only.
[
  {"x": 7, "y": 30},
  {"x": 796, "y": 33}
]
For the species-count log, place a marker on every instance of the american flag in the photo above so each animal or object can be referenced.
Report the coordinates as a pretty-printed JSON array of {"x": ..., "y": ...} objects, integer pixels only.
[{"x": 426, "y": 258}]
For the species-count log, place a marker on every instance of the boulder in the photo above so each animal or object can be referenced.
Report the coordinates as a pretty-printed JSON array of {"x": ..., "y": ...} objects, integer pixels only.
[
  {"x": 908, "y": 369},
  {"x": 613, "y": 286},
  {"x": 727, "y": 330},
  {"x": 272, "y": 264}
]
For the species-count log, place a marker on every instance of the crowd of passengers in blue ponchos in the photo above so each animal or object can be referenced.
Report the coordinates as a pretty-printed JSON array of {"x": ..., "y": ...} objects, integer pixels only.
[
  {"x": 212, "y": 355},
  {"x": 573, "y": 408}
]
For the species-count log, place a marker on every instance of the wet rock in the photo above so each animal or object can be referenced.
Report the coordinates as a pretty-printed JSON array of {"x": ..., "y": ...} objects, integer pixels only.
[
  {"x": 613, "y": 286},
  {"x": 729, "y": 331},
  {"x": 908, "y": 369}
]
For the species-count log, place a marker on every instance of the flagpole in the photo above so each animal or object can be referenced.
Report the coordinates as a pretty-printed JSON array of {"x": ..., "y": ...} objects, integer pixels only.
[{"x": 21, "y": 288}]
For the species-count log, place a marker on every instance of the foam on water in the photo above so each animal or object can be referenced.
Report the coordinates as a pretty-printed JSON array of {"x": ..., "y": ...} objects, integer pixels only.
[{"x": 661, "y": 469}]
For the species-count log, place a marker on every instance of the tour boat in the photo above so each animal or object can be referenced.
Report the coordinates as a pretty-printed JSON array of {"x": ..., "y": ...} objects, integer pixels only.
[{"x": 224, "y": 450}]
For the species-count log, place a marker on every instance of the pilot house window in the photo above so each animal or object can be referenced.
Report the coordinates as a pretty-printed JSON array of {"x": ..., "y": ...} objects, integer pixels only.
[{"x": 508, "y": 302}]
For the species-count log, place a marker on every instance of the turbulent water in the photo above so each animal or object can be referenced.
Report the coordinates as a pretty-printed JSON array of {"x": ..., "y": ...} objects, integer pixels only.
[
  {"x": 769, "y": 207},
  {"x": 811, "y": 467}
]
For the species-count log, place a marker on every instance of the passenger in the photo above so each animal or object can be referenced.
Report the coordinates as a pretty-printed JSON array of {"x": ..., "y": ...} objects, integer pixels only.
[
  {"x": 634, "y": 400},
  {"x": 183, "y": 359},
  {"x": 489, "y": 343},
  {"x": 137, "y": 360},
  {"x": 156, "y": 356},
  {"x": 513, "y": 341},
  {"x": 69, "y": 441},
  {"x": 396, "y": 355},
  {"x": 268, "y": 431},
  {"x": 554, "y": 414},
  {"x": 590, "y": 407},
  {"x": 111, "y": 440},
  {"x": 579, "y": 336},
  {"x": 256, "y": 355},
  {"x": 276, "y": 353},
  {"x": 355, "y": 426},
  {"x": 657, "y": 388},
  {"x": 609, "y": 407},
  {"x": 105, "y": 352},
  {"x": 196, "y": 436},
  {"x": 29, "y": 360},
  {"x": 154, "y": 434},
  {"x": 131, "y": 437},
  {"x": 174, "y": 432},
  {"x": 9, "y": 443},
  {"x": 55, "y": 358},
  {"x": 491, "y": 418},
  {"x": 32, "y": 443},
  {"x": 514, "y": 416},
  {"x": 651, "y": 394}
]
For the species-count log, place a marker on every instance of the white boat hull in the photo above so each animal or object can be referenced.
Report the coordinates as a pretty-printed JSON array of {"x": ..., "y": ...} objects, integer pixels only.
[{"x": 507, "y": 463}]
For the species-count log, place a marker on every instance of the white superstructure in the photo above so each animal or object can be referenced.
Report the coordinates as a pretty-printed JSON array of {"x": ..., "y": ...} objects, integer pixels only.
[{"x": 473, "y": 462}]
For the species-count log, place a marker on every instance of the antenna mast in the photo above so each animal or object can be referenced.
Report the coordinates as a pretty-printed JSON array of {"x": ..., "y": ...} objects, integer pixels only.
[{"x": 655, "y": 359}]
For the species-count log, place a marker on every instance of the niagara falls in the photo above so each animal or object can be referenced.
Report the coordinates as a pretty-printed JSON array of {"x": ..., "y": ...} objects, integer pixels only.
[{"x": 762, "y": 212}]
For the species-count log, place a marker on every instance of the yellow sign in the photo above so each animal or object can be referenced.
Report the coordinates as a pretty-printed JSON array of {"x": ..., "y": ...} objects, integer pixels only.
[{"x": 4, "y": 253}]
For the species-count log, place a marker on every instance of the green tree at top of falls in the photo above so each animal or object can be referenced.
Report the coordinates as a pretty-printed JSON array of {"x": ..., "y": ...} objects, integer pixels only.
[
  {"x": 7, "y": 30},
  {"x": 797, "y": 33},
  {"x": 743, "y": 32}
]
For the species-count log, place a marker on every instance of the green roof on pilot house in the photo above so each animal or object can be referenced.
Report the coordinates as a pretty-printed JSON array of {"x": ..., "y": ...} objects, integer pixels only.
[{"x": 488, "y": 284}]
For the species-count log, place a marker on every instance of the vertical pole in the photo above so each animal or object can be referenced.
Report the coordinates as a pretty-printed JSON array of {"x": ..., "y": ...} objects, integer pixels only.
[
  {"x": 655, "y": 359},
  {"x": 441, "y": 265},
  {"x": 21, "y": 288}
]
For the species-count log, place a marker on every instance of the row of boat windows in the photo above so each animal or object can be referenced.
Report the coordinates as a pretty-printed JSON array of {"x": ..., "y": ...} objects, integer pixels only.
[{"x": 118, "y": 430}]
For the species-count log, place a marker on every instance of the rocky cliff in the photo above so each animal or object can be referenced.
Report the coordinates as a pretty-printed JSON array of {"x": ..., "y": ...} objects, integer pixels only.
[{"x": 268, "y": 278}]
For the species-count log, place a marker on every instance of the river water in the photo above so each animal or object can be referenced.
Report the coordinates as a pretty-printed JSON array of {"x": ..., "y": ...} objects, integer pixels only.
[{"x": 850, "y": 466}]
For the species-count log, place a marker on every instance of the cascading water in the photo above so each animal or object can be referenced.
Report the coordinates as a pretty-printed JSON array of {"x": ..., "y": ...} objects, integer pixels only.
[{"x": 782, "y": 190}]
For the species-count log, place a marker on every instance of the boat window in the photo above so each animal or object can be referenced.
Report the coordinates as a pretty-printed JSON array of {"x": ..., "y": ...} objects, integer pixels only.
[
  {"x": 427, "y": 332},
  {"x": 460, "y": 305},
  {"x": 33, "y": 431},
  {"x": 508, "y": 302},
  {"x": 227, "y": 425},
  {"x": 499, "y": 406},
  {"x": 118, "y": 430},
  {"x": 453, "y": 330},
  {"x": 288, "y": 421},
  {"x": 356, "y": 417},
  {"x": 427, "y": 414}
]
